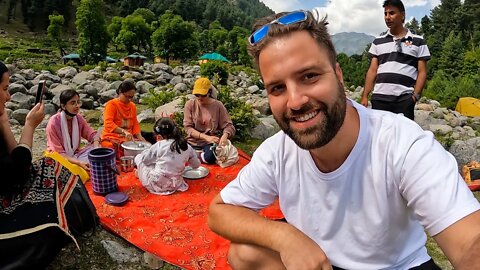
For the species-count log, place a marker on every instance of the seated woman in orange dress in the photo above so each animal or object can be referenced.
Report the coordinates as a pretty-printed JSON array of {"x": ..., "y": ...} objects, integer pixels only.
[{"x": 120, "y": 122}]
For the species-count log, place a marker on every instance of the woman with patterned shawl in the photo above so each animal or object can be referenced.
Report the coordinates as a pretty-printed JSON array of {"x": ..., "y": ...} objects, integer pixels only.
[{"x": 33, "y": 226}]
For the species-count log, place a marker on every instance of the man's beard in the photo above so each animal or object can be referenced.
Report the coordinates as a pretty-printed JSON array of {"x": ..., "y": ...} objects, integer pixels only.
[{"x": 321, "y": 133}]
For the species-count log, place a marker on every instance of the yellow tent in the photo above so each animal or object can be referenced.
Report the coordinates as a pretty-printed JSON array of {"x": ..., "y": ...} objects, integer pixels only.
[{"x": 468, "y": 106}]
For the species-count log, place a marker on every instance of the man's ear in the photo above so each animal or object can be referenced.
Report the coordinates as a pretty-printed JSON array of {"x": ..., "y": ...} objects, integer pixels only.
[{"x": 339, "y": 73}]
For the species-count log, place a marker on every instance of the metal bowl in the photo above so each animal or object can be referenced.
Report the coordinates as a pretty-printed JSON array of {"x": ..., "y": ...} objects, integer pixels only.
[
  {"x": 133, "y": 148},
  {"x": 197, "y": 173}
]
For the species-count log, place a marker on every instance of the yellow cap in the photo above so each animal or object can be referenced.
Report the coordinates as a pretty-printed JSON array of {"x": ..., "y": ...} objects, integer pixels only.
[{"x": 201, "y": 87}]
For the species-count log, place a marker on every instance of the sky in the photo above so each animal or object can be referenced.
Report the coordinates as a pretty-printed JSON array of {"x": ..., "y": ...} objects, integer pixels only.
[{"x": 363, "y": 16}]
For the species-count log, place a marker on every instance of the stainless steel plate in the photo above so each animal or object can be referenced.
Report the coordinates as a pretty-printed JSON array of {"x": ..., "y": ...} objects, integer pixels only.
[{"x": 197, "y": 173}]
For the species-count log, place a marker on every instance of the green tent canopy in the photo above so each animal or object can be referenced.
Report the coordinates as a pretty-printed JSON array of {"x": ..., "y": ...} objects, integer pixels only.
[
  {"x": 71, "y": 56},
  {"x": 213, "y": 56}
]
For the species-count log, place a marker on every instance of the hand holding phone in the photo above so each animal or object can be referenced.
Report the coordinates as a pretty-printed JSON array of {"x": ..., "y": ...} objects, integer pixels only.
[{"x": 40, "y": 91}]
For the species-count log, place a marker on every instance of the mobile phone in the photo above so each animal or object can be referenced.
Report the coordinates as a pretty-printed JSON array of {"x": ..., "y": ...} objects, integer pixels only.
[{"x": 40, "y": 91}]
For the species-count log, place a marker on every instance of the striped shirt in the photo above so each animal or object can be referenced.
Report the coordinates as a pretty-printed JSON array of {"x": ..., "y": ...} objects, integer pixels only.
[{"x": 397, "y": 62}]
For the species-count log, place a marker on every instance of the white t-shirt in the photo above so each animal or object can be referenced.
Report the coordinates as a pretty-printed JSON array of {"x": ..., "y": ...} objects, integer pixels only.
[{"x": 368, "y": 213}]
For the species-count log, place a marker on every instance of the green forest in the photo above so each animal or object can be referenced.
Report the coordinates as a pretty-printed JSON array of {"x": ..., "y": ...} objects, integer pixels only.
[
  {"x": 172, "y": 29},
  {"x": 452, "y": 32}
]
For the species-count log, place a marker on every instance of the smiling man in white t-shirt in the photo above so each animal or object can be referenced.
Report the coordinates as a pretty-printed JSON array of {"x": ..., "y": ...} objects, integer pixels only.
[{"x": 358, "y": 187}]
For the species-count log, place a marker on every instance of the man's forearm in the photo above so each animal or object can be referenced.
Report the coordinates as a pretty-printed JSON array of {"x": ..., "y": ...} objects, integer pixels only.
[
  {"x": 369, "y": 83},
  {"x": 470, "y": 259},
  {"x": 242, "y": 225}
]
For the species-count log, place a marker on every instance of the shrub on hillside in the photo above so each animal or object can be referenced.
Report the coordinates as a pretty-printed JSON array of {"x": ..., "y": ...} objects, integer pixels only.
[
  {"x": 213, "y": 69},
  {"x": 155, "y": 99},
  {"x": 448, "y": 90},
  {"x": 241, "y": 114}
]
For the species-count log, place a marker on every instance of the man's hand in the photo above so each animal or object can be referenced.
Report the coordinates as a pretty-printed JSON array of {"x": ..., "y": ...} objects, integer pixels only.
[
  {"x": 364, "y": 101},
  {"x": 300, "y": 252}
]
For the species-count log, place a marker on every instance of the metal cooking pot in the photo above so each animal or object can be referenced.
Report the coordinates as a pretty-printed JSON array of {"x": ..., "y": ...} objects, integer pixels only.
[{"x": 133, "y": 148}]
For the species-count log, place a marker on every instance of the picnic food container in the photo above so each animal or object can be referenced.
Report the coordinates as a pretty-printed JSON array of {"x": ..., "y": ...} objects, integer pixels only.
[
  {"x": 103, "y": 170},
  {"x": 126, "y": 163},
  {"x": 133, "y": 148}
]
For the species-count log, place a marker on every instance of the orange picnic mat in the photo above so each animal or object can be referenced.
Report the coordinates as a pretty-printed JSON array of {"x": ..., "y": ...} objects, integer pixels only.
[{"x": 173, "y": 227}]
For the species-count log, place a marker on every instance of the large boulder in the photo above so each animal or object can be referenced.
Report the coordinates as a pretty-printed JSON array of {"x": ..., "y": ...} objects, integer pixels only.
[
  {"x": 17, "y": 88},
  {"x": 59, "y": 89},
  {"x": 168, "y": 109},
  {"x": 67, "y": 72},
  {"x": 20, "y": 115},
  {"x": 83, "y": 77},
  {"x": 267, "y": 128},
  {"x": 466, "y": 151}
]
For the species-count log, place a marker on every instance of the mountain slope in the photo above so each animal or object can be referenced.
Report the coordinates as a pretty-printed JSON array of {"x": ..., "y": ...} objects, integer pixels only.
[{"x": 351, "y": 42}]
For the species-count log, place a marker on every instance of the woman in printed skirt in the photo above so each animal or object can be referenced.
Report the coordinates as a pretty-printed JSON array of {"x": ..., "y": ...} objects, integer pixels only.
[{"x": 33, "y": 226}]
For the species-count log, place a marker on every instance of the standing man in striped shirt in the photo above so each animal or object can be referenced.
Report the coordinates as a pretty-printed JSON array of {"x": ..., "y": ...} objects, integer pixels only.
[{"x": 398, "y": 67}]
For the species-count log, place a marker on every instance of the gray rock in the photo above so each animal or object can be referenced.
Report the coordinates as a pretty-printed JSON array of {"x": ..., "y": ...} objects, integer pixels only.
[
  {"x": 180, "y": 88},
  {"x": 83, "y": 77},
  {"x": 441, "y": 129},
  {"x": 20, "y": 97},
  {"x": 143, "y": 87},
  {"x": 17, "y": 78},
  {"x": 17, "y": 88},
  {"x": 267, "y": 127},
  {"x": 12, "y": 106},
  {"x": 29, "y": 74},
  {"x": 59, "y": 89},
  {"x": 466, "y": 151},
  {"x": 146, "y": 116},
  {"x": 169, "y": 109},
  {"x": 50, "y": 109},
  {"x": 107, "y": 95},
  {"x": 253, "y": 89},
  {"x": 47, "y": 76},
  {"x": 176, "y": 80},
  {"x": 87, "y": 103},
  {"x": 119, "y": 253},
  {"x": 67, "y": 72},
  {"x": 161, "y": 67},
  {"x": 20, "y": 115},
  {"x": 152, "y": 261}
]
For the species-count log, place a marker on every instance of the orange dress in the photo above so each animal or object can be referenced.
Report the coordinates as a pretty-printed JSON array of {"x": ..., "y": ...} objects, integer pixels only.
[{"x": 118, "y": 114}]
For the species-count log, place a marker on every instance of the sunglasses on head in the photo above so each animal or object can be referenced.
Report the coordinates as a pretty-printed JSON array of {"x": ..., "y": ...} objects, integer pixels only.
[
  {"x": 290, "y": 18},
  {"x": 198, "y": 95}
]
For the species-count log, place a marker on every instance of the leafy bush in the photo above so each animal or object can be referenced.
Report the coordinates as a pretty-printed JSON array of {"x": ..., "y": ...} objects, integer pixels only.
[
  {"x": 241, "y": 114},
  {"x": 215, "y": 68},
  {"x": 154, "y": 99},
  {"x": 448, "y": 90}
]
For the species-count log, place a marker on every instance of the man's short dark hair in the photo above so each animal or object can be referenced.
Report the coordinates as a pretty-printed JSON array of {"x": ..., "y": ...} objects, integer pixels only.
[
  {"x": 394, "y": 3},
  {"x": 315, "y": 27}
]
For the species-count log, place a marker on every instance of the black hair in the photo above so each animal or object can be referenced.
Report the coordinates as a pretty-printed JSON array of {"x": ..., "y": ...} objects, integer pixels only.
[
  {"x": 66, "y": 95},
  {"x": 394, "y": 3},
  {"x": 167, "y": 128},
  {"x": 126, "y": 86},
  {"x": 3, "y": 69}
]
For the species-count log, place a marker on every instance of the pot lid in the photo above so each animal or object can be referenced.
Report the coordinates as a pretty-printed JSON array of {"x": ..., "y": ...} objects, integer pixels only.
[{"x": 116, "y": 198}]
